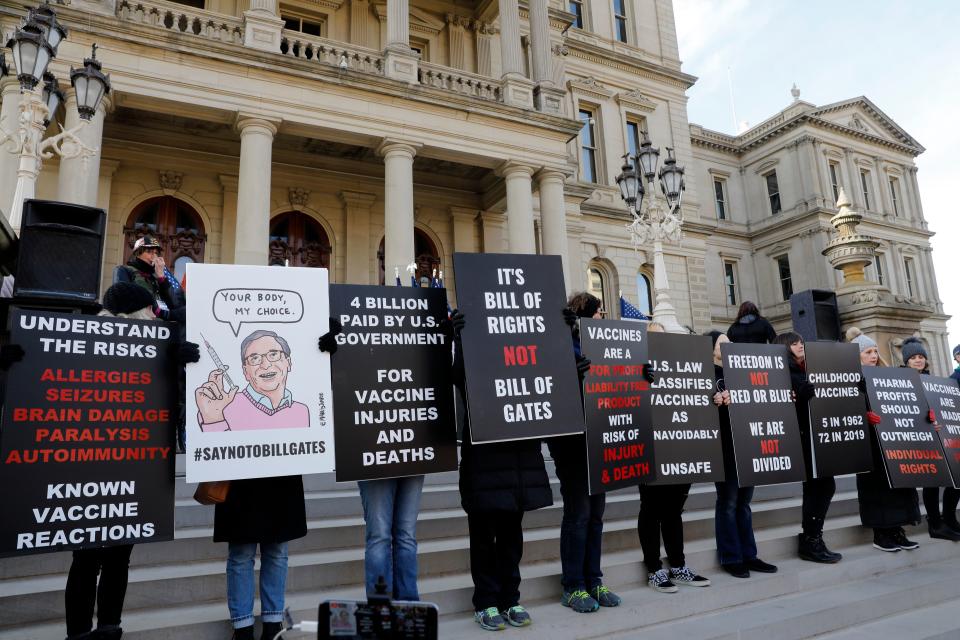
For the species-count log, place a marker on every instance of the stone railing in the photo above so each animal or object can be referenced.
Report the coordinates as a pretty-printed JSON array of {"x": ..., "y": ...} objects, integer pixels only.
[
  {"x": 338, "y": 54},
  {"x": 180, "y": 18},
  {"x": 462, "y": 82}
]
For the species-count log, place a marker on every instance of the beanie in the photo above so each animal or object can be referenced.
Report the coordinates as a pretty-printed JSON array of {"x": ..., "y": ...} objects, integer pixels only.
[
  {"x": 865, "y": 342},
  {"x": 912, "y": 347},
  {"x": 956, "y": 351},
  {"x": 126, "y": 297},
  {"x": 714, "y": 335}
]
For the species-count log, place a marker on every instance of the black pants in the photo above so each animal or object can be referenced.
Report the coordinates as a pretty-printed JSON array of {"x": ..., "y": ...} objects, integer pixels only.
[
  {"x": 817, "y": 494},
  {"x": 931, "y": 500},
  {"x": 111, "y": 563},
  {"x": 660, "y": 509},
  {"x": 496, "y": 547}
]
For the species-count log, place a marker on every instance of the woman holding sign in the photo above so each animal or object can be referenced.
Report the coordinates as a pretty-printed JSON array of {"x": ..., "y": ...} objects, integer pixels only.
[
  {"x": 817, "y": 492},
  {"x": 883, "y": 509}
]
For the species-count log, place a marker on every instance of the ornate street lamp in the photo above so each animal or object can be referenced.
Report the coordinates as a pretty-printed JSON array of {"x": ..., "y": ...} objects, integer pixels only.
[
  {"x": 34, "y": 45},
  {"x": 4, "y": 70},
  {"x": 655, "y": 219}
]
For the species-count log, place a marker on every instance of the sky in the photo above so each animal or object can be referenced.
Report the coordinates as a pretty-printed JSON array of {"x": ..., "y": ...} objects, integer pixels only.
[{"x": 903, "y": 56}]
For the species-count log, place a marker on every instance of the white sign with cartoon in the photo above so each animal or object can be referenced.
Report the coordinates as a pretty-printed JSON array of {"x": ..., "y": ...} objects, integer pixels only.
[{"x": 258, "y": 402}]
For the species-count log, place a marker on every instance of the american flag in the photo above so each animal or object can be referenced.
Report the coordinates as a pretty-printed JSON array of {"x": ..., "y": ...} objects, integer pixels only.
[{"x": 630, "y": 312}]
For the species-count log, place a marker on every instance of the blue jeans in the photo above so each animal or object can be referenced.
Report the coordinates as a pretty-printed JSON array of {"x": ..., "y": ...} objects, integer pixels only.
[
  {"x": 734, "y": 523},
  {"x": 581, "y": 529},
  {"x": 390, "y": 509},
  {"x": 273, "y": 580}
]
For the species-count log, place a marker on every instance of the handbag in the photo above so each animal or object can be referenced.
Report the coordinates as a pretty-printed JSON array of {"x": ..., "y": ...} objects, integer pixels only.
[{"x": 212, "y": 492}]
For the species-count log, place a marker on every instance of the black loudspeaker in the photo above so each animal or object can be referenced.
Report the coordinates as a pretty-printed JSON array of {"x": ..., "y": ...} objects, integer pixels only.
[
  {"x": 815, "y": 315},
  {"x": 61, "y": 252}
]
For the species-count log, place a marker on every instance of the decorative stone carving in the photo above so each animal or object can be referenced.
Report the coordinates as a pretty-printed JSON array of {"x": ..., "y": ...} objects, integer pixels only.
[
  {"x": 849, "y": 252},
  {"x": 636, "y": 100},
  {"x": 171, "y": 180},
  {"x": 299, "y": 197}
]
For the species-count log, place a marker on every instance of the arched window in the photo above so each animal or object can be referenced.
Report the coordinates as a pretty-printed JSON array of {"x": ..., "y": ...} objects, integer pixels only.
[
  {"x": 596, "y": 286},
  {"x": 644, "y": 294},
  {"x": 426, "y": 257},
  {"x": 177, "y": 227},
  {"x": 299, "y": 239}
]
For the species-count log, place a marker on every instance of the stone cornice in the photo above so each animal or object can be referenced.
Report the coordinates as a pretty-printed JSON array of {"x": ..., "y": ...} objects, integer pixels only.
[
  {"x": 606, "y": 57},
  {"x": 636, "y": 100}
]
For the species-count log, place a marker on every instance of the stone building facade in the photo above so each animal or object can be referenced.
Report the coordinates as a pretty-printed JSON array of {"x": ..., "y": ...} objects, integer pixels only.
[{"x": 364, "y": 136}]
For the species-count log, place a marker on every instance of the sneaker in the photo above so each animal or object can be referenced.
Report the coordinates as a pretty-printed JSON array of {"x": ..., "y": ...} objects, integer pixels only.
[
  {"x": 736, "y": 569},
  {"x": 900, "y": 537},
  {"x": 490, "y": 619},
  {"x": 812, "y": 549},
  {"x": 660, "y": 581},
  {"x": 685, "y": 575},
  {"x": 605, "y": 597},
  {"x": 579, "y": 600},
  {"x": 939, "y": 529},
  {"x": 884, "y": 541},
  {"x": 758, "y": 565},
  {"x": 517, "y": 616}
]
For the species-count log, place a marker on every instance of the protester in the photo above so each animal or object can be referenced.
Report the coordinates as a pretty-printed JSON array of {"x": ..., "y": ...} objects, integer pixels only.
[
  {"x": 883, "y": 509},
  {"x": 661, "y": 507},
  {"x": 750, "y": 326},
  {"x": 941, "y": 525},
  {"x": 581, "y": 529},
  {"x": 733, "y": 519},
  {"x": 817, "y": 492},
  {"x": 111, "y": 564},
  {"x": 956, "y": 358},
  {"x": 498, "y": 483},
  {"x": 146, "y": 268}
]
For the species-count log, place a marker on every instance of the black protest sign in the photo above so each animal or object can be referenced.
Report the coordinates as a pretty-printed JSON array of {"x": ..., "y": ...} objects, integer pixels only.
[
  {"x": 763, "y": 417},
  {"x": 393, "y": 398},
  {"x": 87, "y": 434},
  {"x": 685, "y": 422},
  {"x": 517, "y": 350},
  {"x": 911, "y": 449},
  {"x": 943, "y": 395},
  {"x": 619, "y": 443},
  {"x": 839, "y": 433}
]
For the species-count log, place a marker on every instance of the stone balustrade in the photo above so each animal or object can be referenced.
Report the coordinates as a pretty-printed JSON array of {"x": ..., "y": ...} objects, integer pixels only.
[
  {"x": 457, "y": 81},
  {"x": 179, "y": 18},
  {"x": 337, "y": 54}
]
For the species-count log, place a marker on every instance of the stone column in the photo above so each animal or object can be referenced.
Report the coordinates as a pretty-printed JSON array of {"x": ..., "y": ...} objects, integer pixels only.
[
  {"x": 253, "y": 189},
  {"x": 884, "y": 186},
  {"x": 484, "y": 34},
  {"x": 517, "y": 89},
  {"x": 915, "y": 189},
  {"x": 491, "y": 228},
  {"x": 228, "y": 235},
  {"x": 79, "y": 178},
  {"x": 546, "y": 97},
  {"x": 553, "y": 216},
  {"x": 853, "y": 180},
  {"x": 9, "y": 114},
  {"x": 519, "y": 206},
  {"x": 398, "y": 212},
  {"x": 359, "y": 14},
  {"x": 262, "y": 26},
  {"x": 401, "y": 61},
  {"x": 358, "y": 268},
  {"x": 464, "y": 222},
  {"x": 456, "y": 40}
]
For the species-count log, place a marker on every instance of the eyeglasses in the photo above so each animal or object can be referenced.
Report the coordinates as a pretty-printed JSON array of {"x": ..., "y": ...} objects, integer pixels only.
[{"x": 254, "y": 359}]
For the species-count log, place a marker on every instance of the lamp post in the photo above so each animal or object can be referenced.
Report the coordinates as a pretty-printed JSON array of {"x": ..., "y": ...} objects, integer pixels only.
[
  {"x": 34, "y": 46},
  {"x": 656, "y": 218}
]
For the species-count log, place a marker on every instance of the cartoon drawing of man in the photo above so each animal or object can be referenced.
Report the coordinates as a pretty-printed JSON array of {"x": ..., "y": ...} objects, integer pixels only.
[{"x": 265, "y": 403}]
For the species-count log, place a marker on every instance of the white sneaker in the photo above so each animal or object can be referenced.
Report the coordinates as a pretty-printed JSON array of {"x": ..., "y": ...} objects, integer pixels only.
[{"x": 660, "y": 581}]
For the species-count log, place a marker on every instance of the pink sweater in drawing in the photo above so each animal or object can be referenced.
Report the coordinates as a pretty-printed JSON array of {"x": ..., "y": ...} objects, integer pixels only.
[{"x": 245, "y": 413}]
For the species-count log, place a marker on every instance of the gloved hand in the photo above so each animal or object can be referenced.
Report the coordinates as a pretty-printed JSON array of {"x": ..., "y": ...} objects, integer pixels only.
[
  {"x": 457, "y": 321},
  {"x": 328, "y": 341},
  {"x": 583, "y": 365},
  {"x": 873, "y": 418},
  {"x": 188, "y": 352},
  {"x": 931, "y": 417},
  {"x": 10, "y": 353},
  {"x": 569, "y": 317},
  {"x": 648, "y": 373}
]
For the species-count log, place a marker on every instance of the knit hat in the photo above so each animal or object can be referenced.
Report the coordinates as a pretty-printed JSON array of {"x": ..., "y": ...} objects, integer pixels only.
[
  {"x": 912, "y": 347},
  {"x": 714, "y": 335},
  {"x": 865, "y": 342},
  {"x": 956, "y": 350},
  {"x": 126, "y": 297}
]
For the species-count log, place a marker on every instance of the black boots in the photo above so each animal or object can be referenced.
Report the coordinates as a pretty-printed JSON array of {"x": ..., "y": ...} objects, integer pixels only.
[
  {"x": 243, "y": 633},
  {"x": 939, "y": 529},
  {"x": 270, "y": 630},
  {"x": 813, "y": 549}
]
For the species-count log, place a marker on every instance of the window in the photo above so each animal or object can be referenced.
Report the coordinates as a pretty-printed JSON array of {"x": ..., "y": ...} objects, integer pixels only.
[
  {"x": 426, "y": 260},
  {"x": 895, "y": 195},
  {"x": 620, "y": 18},
  {"x": 911, "y": 275},
  {"x": 730, "y": 282},
  {"x": 595, "y": 287},
  {"x": 576, "y": 8},
  {"x": 878, "y": 266},
  {"x": 718, "y": 188},
  {"x": 306, "y": 25},
  {"x": 588, "y": 147},
  {"x": 297, "y": 240},
  {"x": 864, "y": 181},
  {"x": 786, "y": 282},
  {"x": 174, "y": 224},
  {"x": 644, "y": 294},
  {"x": 835, "y": 180},
  {"x": 773, "y": 192},
  {"x": 634, "y": 135}
]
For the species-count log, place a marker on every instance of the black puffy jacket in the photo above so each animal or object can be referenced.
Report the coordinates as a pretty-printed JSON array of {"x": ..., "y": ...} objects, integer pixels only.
[
  {"x": 261, "y": 510},
  {"x": 751, "y": 329}
]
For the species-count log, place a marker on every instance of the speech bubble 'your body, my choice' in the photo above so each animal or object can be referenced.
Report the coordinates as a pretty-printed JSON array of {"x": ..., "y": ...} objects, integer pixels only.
[{"x": 238, "y": 306}]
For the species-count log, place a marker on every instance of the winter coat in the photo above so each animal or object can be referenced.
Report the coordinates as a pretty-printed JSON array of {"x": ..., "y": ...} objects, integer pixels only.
[
  {"x": 726, "y": 432},
  {"x": 261, "y": 510},
  {"x": 956, "y": 374},
  {"x": 880, "y": 506},
  {"x": 499, "y": 476},
  {"x": 804, "y": 391},
  {"x": 751, "y": 329},
  {"x": 142, "y": 274}
]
